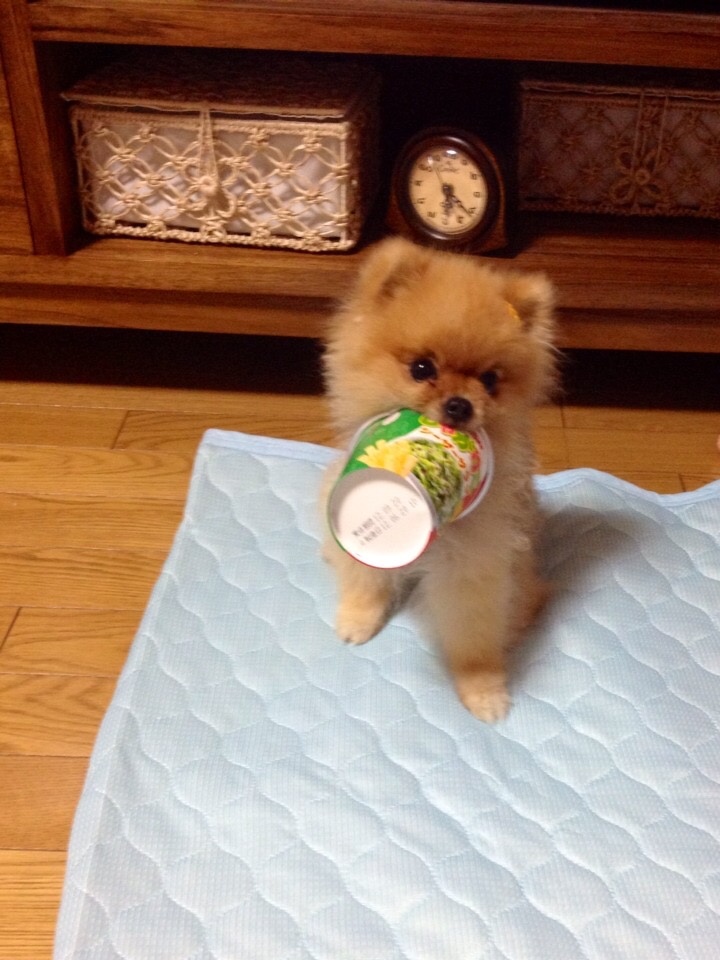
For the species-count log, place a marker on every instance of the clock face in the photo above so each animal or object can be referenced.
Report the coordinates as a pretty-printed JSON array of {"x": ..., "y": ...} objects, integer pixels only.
[{"x": 447, "y": 190}]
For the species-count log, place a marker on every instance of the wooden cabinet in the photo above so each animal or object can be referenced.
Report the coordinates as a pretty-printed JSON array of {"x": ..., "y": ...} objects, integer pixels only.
[
  {"x": 622, "y": 283},
  {"x": 14, "y": 223}
]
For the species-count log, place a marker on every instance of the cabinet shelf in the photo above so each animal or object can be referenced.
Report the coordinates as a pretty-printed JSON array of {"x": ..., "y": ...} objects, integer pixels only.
[
  {"x": 431, "y": 28},
  {"x": 601, "y": 266},
  {"x": 622, "y": 282},
  {"x": 605, "y": 262}
]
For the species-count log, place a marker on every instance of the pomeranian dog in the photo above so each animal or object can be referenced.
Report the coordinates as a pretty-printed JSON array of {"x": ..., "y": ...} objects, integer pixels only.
[{"x": 471, "y": 346}]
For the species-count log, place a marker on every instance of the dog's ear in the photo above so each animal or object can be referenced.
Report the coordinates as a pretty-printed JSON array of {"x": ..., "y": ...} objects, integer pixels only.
[
  {"x": 532, "y": 297},
  {"x": 391, "y": 266}
]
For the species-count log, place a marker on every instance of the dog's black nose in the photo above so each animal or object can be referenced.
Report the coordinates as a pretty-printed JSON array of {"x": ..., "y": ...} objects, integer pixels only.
[{"x": 458, "y": 410}]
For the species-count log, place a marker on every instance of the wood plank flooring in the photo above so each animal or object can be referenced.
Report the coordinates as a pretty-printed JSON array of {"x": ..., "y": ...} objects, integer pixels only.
[{"x": 98, "y": 430}]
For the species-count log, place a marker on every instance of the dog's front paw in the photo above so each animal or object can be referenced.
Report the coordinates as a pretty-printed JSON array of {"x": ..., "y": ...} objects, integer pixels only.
[
  {"x": 358, "y": 622},
  {"x": 484, "y": 693}
]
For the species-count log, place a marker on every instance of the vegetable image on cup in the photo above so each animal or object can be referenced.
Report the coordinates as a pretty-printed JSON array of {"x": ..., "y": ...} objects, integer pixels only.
[{"x": 405, "y": 478}]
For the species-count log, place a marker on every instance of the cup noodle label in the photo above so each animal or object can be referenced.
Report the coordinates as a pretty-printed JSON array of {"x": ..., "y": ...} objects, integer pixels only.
[{"x": 406, "y": 477}]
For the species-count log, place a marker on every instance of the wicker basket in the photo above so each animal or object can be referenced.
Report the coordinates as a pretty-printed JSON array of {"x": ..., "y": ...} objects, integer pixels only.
[
  {"x": 646, "y": 150},
  {"x": 243, "y": 149}
]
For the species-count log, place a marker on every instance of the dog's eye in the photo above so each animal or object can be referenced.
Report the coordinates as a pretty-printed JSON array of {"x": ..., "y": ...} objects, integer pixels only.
[
  {"x": 490, "y": 380},
  {"x": 423, "y": 369}
]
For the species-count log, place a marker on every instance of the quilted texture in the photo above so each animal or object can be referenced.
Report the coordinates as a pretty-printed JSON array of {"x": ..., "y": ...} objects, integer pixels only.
[{"x": 260, "y": 791}]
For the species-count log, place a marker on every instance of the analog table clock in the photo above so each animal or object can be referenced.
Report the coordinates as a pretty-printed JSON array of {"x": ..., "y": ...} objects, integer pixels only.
[{"x": 448, "y": 191}]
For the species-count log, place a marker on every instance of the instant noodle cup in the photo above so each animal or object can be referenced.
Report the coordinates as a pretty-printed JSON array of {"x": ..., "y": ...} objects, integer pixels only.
[{"x": 405, "y": 478}]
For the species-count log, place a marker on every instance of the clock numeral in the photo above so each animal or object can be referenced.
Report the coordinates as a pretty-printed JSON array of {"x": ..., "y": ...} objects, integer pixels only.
[
  {"x": 418, "y": 183},
  {"x": 432, "y": 214},
  {"x": 477, "y": 194},
  {"x": 471, "y": 210},
  {"x": 419, "y": 200},
  {"x": 474, "y": 176}
]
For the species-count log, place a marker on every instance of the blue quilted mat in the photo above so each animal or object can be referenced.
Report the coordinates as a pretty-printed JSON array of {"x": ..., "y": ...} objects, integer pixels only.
[{"x": 259, "y": 791}]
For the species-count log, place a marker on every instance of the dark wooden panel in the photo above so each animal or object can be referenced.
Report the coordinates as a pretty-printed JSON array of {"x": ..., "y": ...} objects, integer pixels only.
[
  {"x": 422, "y": 27},
  {"x": 14, "y": 225}
]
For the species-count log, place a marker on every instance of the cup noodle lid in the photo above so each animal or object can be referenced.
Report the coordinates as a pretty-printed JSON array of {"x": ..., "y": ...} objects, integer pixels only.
[{"x": 381, "y": 518}]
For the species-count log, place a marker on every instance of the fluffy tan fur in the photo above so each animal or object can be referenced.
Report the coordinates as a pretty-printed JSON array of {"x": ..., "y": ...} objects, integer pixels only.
[{"x": 478, "y": 578}]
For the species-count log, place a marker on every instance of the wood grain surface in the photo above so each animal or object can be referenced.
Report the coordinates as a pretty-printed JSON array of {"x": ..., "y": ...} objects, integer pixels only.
[{"x": 423, "y": 27}]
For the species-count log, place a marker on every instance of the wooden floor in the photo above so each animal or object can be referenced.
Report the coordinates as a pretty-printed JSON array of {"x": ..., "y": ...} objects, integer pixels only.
[{"x": 97, "y": 435}]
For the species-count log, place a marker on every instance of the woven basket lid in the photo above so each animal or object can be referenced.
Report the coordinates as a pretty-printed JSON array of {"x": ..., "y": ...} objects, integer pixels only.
[{"x": 246, "y": 83}]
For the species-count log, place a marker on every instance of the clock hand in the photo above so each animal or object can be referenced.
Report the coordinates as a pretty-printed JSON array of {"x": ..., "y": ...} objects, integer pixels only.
[
  {"x": 438, "y": 176},
  {"x": 450, "y": 199},
  {"x": 449, "y": 192},
  {"x": 461, "y": 205}
]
